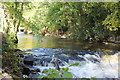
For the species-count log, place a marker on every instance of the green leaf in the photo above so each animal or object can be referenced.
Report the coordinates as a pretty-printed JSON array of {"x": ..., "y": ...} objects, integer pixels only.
[
  {"x": 51, "y": 70},
  {"x": 67, "y": 75},
  {"x": 53, "y": 75},
  {"x": 94, "y": 77},
  {"x": 65, "y": 69},
  {"x": 57, "y": 75},
  {"x": 45, "y": 71},
  {"x": 75, "y": 64},
  {"x": 40, "y": 76}
]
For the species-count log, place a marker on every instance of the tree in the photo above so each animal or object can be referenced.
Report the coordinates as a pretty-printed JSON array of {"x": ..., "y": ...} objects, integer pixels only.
[
  {"x": 61, "y": 16},
  {"x": 112, "y": 21},
  {"x": 12, "y": 17}
]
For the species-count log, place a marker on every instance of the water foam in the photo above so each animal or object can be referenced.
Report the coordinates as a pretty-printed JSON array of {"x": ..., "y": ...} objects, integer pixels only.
[{"x": 106, "y": 68}]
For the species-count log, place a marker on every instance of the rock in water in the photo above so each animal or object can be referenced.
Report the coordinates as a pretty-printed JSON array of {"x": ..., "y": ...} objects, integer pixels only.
[{"x": 55, "y": 62}]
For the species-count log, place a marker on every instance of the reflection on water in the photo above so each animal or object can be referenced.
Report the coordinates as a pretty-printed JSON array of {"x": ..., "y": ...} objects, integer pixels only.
[{"x": 29, "y": 42}]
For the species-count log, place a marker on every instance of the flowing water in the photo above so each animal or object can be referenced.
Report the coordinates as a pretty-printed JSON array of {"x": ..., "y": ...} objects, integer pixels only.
[{"x": 96, "y": 59}]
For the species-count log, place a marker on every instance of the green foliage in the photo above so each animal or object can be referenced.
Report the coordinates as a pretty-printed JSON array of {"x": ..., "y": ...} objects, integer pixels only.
[
  {"x": 0, "y": 50},
  {"x": 88, "y": 20},
  {"x": 53, "y": 73},
  {"x": 14, "y": 9},
  {"x": 10, "y": 59},
  {"x": 13, "y": 15},
  {"x": 59, "y": 15},
  {"x": 11, "y": 64},
  {"x": 8, "y": 42},
  {"x": 75, "y": 64},
  {"x": 63, "y": 73},
  {"x": 91, "y": 17},
  {"x": 112, "y": 21},
  {"x": 35, "y": 21},
  {"x": 84, "y": 20}
]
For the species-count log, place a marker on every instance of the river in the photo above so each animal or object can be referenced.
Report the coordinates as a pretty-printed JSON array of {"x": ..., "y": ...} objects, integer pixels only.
[{"x": 96, "y": 59}]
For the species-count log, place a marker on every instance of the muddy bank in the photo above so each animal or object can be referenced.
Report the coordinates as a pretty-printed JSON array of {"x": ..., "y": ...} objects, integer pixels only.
[{"x": 67, "y": 35}]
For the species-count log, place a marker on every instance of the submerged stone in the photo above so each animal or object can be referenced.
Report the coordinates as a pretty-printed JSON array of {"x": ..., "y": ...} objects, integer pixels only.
[{"x": 26, "y": 71}]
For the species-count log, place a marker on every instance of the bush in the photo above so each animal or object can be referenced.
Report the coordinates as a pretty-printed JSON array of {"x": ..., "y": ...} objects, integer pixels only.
[{"x": 11, "y": 64}]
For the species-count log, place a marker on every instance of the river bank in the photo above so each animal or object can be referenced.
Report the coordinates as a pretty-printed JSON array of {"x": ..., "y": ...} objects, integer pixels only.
[{"x": 4, "y": 75}]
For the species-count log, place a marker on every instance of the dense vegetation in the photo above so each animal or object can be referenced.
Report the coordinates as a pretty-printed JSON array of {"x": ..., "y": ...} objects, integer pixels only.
[
  {"x": 80, "y": 20},
  {"x": 10, "y": 57}
]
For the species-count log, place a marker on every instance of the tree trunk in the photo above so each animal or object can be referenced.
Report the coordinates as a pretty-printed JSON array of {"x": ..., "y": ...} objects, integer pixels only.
[
  {"x": 17, "y": 24},
  {"x": 5, "y": 21}
]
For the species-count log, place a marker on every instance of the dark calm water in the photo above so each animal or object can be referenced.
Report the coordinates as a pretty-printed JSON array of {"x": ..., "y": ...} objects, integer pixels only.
[{"x": 30, "y": 42}]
